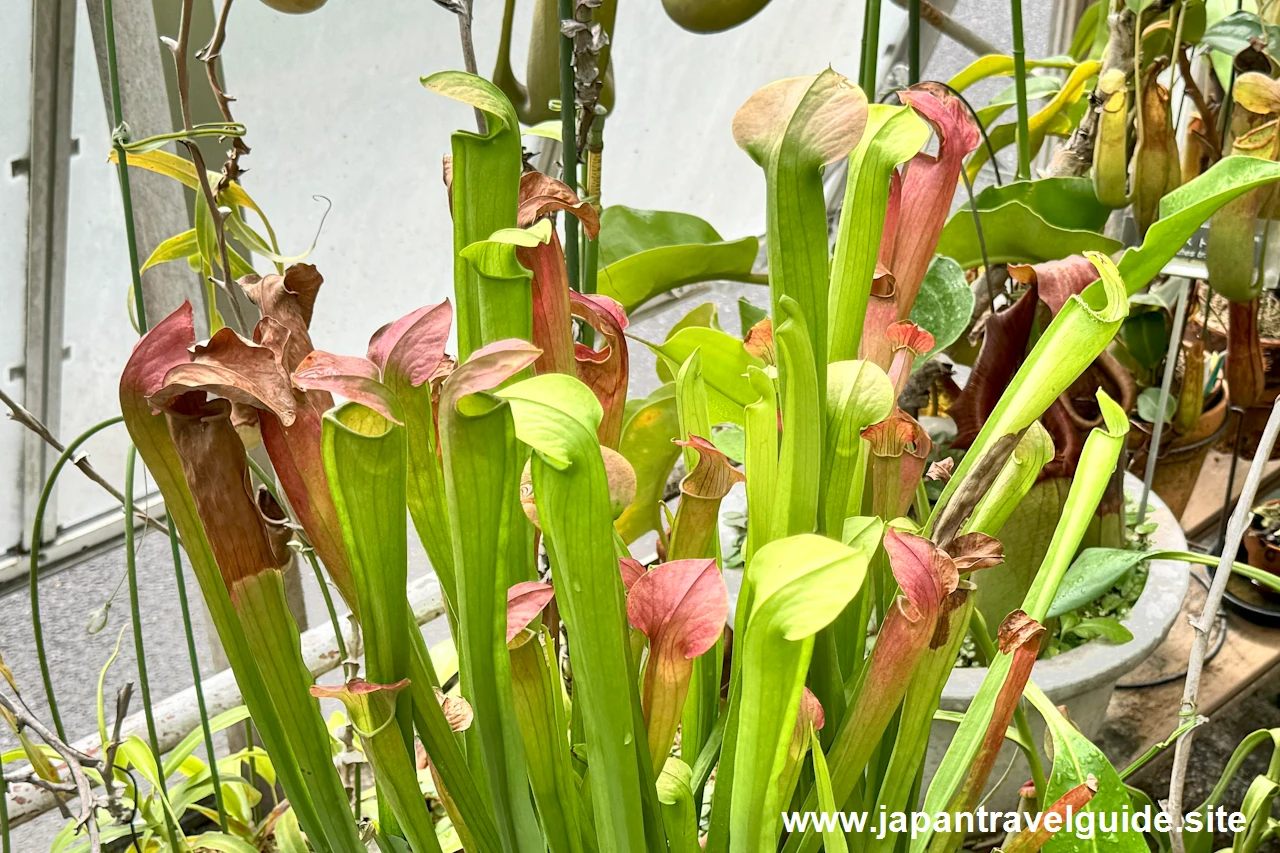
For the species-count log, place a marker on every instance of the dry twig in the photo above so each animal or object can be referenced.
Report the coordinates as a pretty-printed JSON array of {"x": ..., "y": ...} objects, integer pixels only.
[
  {"x": 1204, "y": 623},
  {"x": 22, "y": 417}
]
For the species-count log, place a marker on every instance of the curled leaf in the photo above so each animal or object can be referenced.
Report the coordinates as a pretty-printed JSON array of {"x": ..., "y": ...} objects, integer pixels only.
[
  {"x": 414, "y": 344},
  {"x": 352, "y": 377}
]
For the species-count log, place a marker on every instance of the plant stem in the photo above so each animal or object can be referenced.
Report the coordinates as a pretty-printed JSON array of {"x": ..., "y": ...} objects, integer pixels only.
[
  {"x": 1020, "y": 87},
  {"x": 913, "y": 41},
  {"x": 135, "y": 609},
  {"x": 195, "y": 674},
  {"x": 122, "y": 166},
  {"x": 568, "y": 139},
  {"x": 987, "y": 651},
  {"x": 33, "y": 571},
  {"x": 870, "y": 47}
]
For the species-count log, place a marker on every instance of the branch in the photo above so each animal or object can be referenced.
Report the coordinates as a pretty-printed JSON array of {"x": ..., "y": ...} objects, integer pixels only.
[
  {"x": 179, "y": 49},
  {"x": 1204, "y": 623},
  {"x": 209, "y": 55},
  {"x": 19, "y": 415},
  {"x": 462, "y": 9}
]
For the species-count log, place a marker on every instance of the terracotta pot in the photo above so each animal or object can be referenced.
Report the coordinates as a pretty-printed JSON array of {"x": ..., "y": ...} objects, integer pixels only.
[{"x": 1181, "y": 456}]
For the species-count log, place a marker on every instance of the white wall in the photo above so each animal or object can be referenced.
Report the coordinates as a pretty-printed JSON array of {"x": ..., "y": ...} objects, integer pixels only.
[{"x": 334, "y": 107}]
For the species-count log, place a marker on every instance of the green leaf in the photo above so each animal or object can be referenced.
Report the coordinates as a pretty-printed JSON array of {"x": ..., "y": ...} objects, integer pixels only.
[
  {"x": 1146, "y": 336},
  {"x": 1107, "y": 627},
  {"x": 1094, "y": 572},
  {"x": 679, "y": 810},
  {"x": 791, "y": 129},
  {"x": 195, "y": 737},
  {"x": 222, "y": 843},
  {"x": 482, "y": 470},
  {"x": 485, "y": 192},
  {"x": 1074, "y": 760},
  {"x": 1038, "y": 88},
  {"x": 893, "y": 136},
  {"x": 724, "y": 367},
  {"x": 1064, "y": 202},
  {"x": 288, "y": 836},
  {"x": 1015, "y": 480},
  {"x": 832, "y": 839},
  {"x": 994, "y": 65},
  {"x": 1149, "y": 405},
  {"x": 732, "y": 442},
  {"x": 705, "y": 315},
  {"x": 176, "y": 247},
  {"x": 859, "y": 394},
  {"x": 800, "y": 584},
  {"x": 944, "y": 306},
  {"x": 557, "y": 416},
  {"x": 648, "y": 444},
  {"x": 749, "y": 314},
  {"x": 800, "y": 448},
  {"x": 1015, "y": 234},
  {"x": 644, "y": 253},
  {"x": 506, "y": 306}
]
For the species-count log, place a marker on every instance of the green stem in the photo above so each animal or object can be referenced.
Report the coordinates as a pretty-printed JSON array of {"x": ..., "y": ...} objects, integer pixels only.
[
  {"x": 1160, "y": 747},
  {"x": 195, "y": 674},
  {"x": 4, "y": 815},
  {"x": 122, "y": 166},
  {"x": 870, "y": 47},
  {"x": 568, "y": 139},
  {"x": 1020, "y": 84},
  {"x": 135, "y": 609},
  {"x": 913, "y": 41},
  {"x": 987, "y": 652},
  {"x": 33, "y": 572}
]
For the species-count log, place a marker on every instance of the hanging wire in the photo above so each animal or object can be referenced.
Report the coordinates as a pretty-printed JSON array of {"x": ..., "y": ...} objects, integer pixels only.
[
  {"x": 33, "y": 572},
  {"x": 135, "y": 609}
]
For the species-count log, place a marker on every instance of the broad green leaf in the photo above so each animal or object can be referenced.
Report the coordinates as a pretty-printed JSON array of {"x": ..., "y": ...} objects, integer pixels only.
[
  {"x": 1073, "y": 340},
  {"x": 801, "y": 584},
  {"x": 944, "y": 306},
  {"x": 288, "y": 836},
  {"x": 482, "y": 470},
  {"x": 1149, "y": 405},
  {"x": 1094, "y": 572},
  {"x": 1091, "y": 33},
  {"x": 1064, "y": 202},
  {"x": 832, "y": 839},
  {"x": 679, "y": 810},
  {"x": 994, "y": 65},
  {"x": 1074, "y": 760},
  {"x": 1146, "y": 337},
  {"x": 706, "y": 316},
  {"x": 557, "y": 417},
  {"x": 644, "y": 253},
  {"x": 893, "y": 136},
  {"x": 749, "y": 314},
  {"x": 724, "y": 367},
  {"x": 791, "y": 129},
  {"x": 484, "y": 193},
  {"x": 1015, "y": 234},
  {"x": 760, "y": 425},
  {"x": 648, "y": 438}
]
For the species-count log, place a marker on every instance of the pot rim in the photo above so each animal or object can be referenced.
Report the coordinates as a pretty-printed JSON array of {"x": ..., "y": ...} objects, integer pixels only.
[{"x": 1098, "y": 663}]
